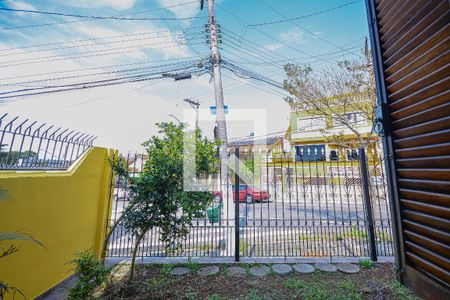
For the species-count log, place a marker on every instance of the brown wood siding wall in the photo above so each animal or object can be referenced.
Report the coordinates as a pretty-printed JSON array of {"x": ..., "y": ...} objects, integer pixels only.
[{"x": 414, "y": 37}]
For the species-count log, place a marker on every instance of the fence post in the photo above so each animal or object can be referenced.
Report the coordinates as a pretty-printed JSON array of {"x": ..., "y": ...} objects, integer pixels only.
[
  {"x": 367, "y": 202},
  {"x": 236, "y": 205}
]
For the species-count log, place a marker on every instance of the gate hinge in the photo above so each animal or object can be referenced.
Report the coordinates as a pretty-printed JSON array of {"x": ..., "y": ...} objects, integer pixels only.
[{"x": 379, "y": 126}]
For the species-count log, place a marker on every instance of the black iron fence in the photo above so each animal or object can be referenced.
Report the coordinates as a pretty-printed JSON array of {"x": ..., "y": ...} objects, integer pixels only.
[
  {"x": 29, "y": 145},
  {"x": 289, "y": 208}
]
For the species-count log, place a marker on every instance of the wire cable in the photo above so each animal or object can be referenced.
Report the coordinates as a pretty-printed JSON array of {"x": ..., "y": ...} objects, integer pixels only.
[
  {"x": 88, "y": 20},
  {"x": 305, "y": 16},
  {"x": 303, "y": 28},
  {"x": 71, "y": 56},
  {"x": 40, "y": 12}
]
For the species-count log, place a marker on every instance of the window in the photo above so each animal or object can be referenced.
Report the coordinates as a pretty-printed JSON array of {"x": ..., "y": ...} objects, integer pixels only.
[
  {"x": 352, "y": 154},
  {"x": 333, "y": 155},
  {"x": 353, "y": 118},
  {"x": 314, "y": 123},
  {"x": 310, "y": 153}
]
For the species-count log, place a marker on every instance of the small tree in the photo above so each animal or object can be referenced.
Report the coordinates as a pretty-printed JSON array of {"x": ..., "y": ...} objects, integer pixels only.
[
  {"x": 157, "y": 196},
  {"x": 335, "y": 92}
]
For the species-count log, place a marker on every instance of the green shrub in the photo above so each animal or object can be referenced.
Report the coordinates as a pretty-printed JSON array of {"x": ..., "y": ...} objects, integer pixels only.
[
  {"x": 366, "y": 264},
  {"x": 92, "y": 274}
]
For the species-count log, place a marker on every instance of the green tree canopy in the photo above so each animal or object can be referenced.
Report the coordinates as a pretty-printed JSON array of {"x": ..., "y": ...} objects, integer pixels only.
[{"x": 158, "y": 199}]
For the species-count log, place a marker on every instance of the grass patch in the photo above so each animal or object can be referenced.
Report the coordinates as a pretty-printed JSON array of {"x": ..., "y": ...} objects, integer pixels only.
[
  {"x": 401, "y": 291},
  {"x": 253, "y": 295},
  {"x": 322, "y": 290},
  {"x": 205, "y": 247},
  {"x": 366, "y": 263},
  {"x": 243, "y": 247},
  {"x": 193, "y": 266},
  {"x": 305, "y": 237},
  {"x": 383, "y": 237},
  {"x": 166, "y": 269},
  {"x": 295, "y": 284},
  {"x": 354, "y": 233},
  {"x": 190, "y": 295}
]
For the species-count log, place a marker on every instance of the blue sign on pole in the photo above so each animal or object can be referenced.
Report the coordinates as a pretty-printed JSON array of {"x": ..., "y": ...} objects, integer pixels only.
[{"x": 214, "y": 109}]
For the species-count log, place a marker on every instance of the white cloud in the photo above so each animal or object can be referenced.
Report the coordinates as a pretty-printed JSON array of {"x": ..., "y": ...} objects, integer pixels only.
[
  {"x": 181, "y": 11},
  {"x": 20, "y": 5},
  {"x": 273, "y": 47},
  {"x": 115, "y": 4},
  {"x": 293, "y": 36}
]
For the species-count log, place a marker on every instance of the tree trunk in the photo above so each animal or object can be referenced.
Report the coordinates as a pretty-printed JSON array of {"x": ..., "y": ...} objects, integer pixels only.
[{"x": 133, "y": 259}]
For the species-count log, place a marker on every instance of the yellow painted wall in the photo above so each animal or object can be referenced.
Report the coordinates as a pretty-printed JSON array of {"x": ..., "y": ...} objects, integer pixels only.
[{"x": 65, "y": 210}]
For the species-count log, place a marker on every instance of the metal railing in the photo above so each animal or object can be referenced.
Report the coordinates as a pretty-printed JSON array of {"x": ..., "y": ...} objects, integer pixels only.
[
  {"x": 316, "y": 209},
  {"x": 29, "y": 145}
]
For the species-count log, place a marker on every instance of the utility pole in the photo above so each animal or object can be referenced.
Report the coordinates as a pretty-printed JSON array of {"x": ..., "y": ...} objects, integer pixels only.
[
  {"x": 228, "y": 211},
  {"x": 195, "y": 105},
  {"x": 220, "y": 107}
]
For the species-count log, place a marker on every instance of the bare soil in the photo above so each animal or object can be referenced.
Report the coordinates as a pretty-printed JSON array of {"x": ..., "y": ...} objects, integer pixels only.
[{"x": 155, "y": 282}]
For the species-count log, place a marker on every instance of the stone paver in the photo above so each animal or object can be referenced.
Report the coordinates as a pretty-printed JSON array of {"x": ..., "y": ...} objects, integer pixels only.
[
  {"x": 236, "y": 271},
  {"x": 282, "y": 269},
  {"x": 348, "y": 268},
  {"x": 260, "y": 271},
  {"x": 326, "y": 267},
  {"x": 179, "y": 271},
  {"x": 208, "y": 270},
  {"x": 304, "y": 268}
]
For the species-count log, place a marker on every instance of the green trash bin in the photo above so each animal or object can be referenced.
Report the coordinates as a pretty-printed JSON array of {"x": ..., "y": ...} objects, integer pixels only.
[{"x": 214, "y": 212}]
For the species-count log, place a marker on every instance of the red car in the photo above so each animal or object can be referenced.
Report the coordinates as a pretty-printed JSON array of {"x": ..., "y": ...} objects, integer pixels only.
[{"x": 246, "y": 194}]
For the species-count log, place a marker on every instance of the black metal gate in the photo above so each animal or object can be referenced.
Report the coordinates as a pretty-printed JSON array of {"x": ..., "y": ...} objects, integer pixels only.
[{"x": 289, "y": 208}]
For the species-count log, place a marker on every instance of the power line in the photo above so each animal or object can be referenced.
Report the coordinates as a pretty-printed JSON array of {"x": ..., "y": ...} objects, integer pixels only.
[
  {"x": 120, "y": 71},
  {"x": 55, "y": 58},
  {"x": 303, "y": 28},
  {"x": 106, "y": 96},
  {"x": 305, "y": 16},
  {"x": 271, "y": 91},
  {"x": 269, "y": 36},
  {"x": 96, "y": 68},
  {"x": 330, "y": 54},
  {"x": 40, "y": 12},
  {"x": 99, "y": 83},
  {"x": 239, "y": 71},
  {"x": 90, "y": 40},
  {"x": 88, "y": 20}
]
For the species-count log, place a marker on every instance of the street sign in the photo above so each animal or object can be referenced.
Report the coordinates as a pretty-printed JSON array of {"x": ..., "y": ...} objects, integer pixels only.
[{"x": 214, "y": 109}]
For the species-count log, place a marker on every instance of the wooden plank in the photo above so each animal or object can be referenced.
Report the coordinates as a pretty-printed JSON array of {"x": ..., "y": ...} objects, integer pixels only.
[
  {"x": 428, "y": 77},
  {"x": 423, "y": 252},
  {"x": 432, "y": 119},
  {"x": 428, "y": 27},
  {"x": 431, "y": 197},
  {"x": 424, "y": 162},
  {"x": 427, "y": 92},
  {"x": 414, "y": 76},
  {"x": 421, "y": 128},
  {"x": 429, "y": 267},
  {"x": 427, "y": 242},
  {"x": 426, "y": 52},
  {"x": 426, "y": 219},
  {"x": 426, "y": 208},
  {"x": 423, "y": 151},
  {"x": 416, "y": 139},
  {"x": 418, "y": 106},
  {"x": 413, "y": 13}
]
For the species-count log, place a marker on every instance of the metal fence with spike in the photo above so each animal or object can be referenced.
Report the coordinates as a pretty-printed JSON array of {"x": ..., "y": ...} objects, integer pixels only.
[
  {"x": 29, "y": 145},
  {"x": 309, "y": 203}
]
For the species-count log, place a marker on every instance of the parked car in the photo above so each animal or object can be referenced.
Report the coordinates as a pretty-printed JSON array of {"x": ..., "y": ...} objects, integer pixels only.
[{"x": 246, "y": 194}]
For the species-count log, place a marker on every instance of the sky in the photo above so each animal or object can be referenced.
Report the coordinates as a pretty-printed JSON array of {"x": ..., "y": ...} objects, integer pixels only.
[{"x": 38, "y": 50}]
